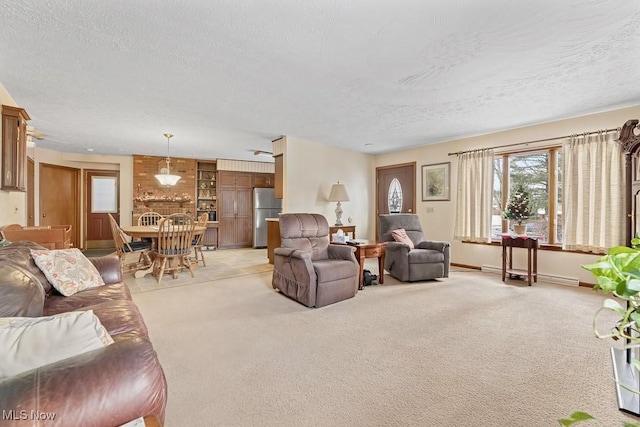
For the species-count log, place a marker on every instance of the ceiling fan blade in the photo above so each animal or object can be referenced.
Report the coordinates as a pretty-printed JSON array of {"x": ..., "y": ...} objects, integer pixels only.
[
  {"x": 32, "y": 132},
  {"x": 258, "y": 152}
]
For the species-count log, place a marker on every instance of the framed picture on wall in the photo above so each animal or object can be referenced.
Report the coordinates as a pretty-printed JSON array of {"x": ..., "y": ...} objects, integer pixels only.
[{"x": 436, "y": 180}]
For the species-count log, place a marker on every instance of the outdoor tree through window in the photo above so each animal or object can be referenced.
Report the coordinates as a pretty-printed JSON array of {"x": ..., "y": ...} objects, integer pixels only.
[{"x": 539, "y": 173}]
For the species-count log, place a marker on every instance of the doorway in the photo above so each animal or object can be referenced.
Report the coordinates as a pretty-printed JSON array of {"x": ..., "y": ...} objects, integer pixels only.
[
  {"x": 102, "y": 198},
  {"x": 60, "y": 198},
  {"x": 395, "y": 189}
]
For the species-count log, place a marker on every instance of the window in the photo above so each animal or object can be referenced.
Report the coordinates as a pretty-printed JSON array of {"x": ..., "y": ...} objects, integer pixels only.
[
  {"x": 394, "y": 197},
  {"x": 539, "y": 172},
  {"x": 104, "y": 194}
]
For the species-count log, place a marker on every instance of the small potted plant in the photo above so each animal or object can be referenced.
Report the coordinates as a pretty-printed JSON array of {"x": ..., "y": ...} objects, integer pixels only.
[{"x": 518, "y": 209}]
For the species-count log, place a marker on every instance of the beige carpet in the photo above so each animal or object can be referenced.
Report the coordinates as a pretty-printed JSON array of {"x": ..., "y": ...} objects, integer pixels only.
[
  {"x": 221, "y": 264},
  {"x": 465, "y": 351}
]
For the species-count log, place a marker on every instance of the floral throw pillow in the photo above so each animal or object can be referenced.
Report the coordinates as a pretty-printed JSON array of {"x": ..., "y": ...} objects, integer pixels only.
[
  {"x": 400, "y": 235},
  {"x": 68, "y": 270}
]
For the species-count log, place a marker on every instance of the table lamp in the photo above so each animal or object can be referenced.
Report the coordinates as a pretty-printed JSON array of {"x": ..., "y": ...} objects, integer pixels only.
[{"x": 338, "y": 194}]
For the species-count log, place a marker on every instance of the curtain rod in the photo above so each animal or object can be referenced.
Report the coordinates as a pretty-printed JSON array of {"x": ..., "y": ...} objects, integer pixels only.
[{"x": 457, "y": 153}]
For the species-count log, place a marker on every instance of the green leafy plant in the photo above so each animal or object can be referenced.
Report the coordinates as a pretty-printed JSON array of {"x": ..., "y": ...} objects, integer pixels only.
[
  {"x": 519, "y": 206},
  {"x": 617, "y": 274},
  {"x": 574, "y": 418}
]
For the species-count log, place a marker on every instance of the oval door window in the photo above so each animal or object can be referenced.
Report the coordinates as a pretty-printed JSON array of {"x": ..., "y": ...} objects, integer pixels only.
[{"x": 394, "y": 197}]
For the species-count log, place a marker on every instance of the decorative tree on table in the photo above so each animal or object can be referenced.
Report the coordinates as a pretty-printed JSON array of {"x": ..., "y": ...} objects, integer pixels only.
[{"x": 518, "y": 208}]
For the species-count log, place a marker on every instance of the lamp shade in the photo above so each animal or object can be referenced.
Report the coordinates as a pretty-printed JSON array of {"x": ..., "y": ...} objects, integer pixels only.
[
  {"x": 167, "y": 179},
  {"x": 338, "y": 193}
]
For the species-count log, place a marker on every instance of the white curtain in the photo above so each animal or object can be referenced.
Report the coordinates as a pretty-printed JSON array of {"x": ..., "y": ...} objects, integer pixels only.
[
  {"x": 474, "y": 197},
  {"x": 593, "y": 199}
]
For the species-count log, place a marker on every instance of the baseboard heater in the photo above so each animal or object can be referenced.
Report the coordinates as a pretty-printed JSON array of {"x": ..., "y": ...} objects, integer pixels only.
[{"x": 548, "y": 278}]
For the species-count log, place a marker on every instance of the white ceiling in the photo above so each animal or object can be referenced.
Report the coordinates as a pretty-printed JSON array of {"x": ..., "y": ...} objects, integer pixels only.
[{"x": 228, "y": 76}]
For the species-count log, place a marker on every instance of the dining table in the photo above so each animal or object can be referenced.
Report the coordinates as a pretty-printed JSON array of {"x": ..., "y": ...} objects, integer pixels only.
[{"x": 151, "y": 232}]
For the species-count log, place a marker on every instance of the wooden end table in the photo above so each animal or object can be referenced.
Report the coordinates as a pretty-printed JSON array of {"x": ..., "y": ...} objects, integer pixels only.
[
  {"x": 370, "y": 250},
  {"x": 531, "y": 245}
]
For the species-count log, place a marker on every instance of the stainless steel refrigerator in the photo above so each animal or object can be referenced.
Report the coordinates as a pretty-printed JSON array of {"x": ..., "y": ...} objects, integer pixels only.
[{"x": 265, "y": 205}]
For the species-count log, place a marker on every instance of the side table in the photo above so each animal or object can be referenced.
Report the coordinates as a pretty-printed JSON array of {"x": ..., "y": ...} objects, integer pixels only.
[
  {"x": 349, "y": 230},
  {"x": 370, "y": 250},
  {"x": 519, "y": 241}
]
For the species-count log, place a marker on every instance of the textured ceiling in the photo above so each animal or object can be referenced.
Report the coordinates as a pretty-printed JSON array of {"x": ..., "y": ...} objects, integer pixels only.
[{"x": 230, "y": 76}]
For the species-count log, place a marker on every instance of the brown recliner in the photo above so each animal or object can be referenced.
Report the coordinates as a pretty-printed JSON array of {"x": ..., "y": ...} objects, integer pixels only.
[{"x": 309, "y": 269}]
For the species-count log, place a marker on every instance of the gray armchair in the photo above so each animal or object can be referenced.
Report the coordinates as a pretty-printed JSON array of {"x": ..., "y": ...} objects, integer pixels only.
[
  {"x": 428, "y": 260},
  {"x": 309, "y": 269}
]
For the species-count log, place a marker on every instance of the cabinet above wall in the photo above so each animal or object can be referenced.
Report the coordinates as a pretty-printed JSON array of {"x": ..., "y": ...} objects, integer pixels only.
[{"x": 14, "y": 149}]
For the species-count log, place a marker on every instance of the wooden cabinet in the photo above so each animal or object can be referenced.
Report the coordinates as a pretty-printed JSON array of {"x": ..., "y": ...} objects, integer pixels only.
[
  {"x": 278, "y": 178},
  {"x": 210, "y": 238},
  {"x": 14, "y": 148},
  {"x": 263, "y": 180},
  {"x": 235, "y": 203},
  {"x": 235, "y": 179}
]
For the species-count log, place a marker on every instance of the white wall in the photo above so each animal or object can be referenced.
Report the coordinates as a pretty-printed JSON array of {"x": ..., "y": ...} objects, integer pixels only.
[
  {"x": 439, "y": 224},
  {"x": 310, "y": 170},
  {"x": 13, "y": 205}
]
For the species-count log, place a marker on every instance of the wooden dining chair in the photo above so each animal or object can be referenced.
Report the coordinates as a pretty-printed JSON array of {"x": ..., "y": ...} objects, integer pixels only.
[
  {"x": 173, "y": 246},
  {"x": 124, "y": 247},
  {"x": 150, "y": 218},
  {"x": 147, "y": 219},
  {"x": 197, "y": 239}
]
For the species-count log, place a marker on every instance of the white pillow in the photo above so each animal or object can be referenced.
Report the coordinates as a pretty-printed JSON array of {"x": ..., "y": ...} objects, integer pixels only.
[
  {"x": 30, "y": 342},
  {"x": 68, "y": 270}
]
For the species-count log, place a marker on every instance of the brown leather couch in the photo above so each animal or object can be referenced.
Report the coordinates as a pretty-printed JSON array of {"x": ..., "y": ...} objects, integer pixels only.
[{"x": 106, "y": 387}]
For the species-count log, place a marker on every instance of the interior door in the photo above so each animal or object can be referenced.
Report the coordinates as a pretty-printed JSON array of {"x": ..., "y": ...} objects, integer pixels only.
[
  {"x": 102, "y": 198},
  {"x": 60, "y": 198},
  {"x": 395, "y": 189}
]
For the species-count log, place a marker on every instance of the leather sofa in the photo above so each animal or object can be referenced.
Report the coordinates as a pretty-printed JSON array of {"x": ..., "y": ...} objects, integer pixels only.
[{"x": 110, "y": 386}]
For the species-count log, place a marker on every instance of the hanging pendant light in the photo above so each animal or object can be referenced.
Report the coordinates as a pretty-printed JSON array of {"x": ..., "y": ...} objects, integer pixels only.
[{"x": 165, "y": 178}]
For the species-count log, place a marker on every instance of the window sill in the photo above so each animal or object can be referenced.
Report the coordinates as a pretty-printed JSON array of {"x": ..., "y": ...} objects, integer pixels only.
[{"x": 542, "y": 247}]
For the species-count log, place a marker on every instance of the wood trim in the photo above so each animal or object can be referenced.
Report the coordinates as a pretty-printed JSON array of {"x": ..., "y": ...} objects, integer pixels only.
[
  {"x": 553, "y": 197},
  {"x": 415, "y": 188},
  {"x": 505, "y": 186},
  {"x": 31, "y": 191},
  {"x": 530, "y": 150},
  {"x": 75, "y": 231},
  {"x": 398, "y": 165},
  {"x": 471, "y": 267},
  {"x": 85, "y": 206}
]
